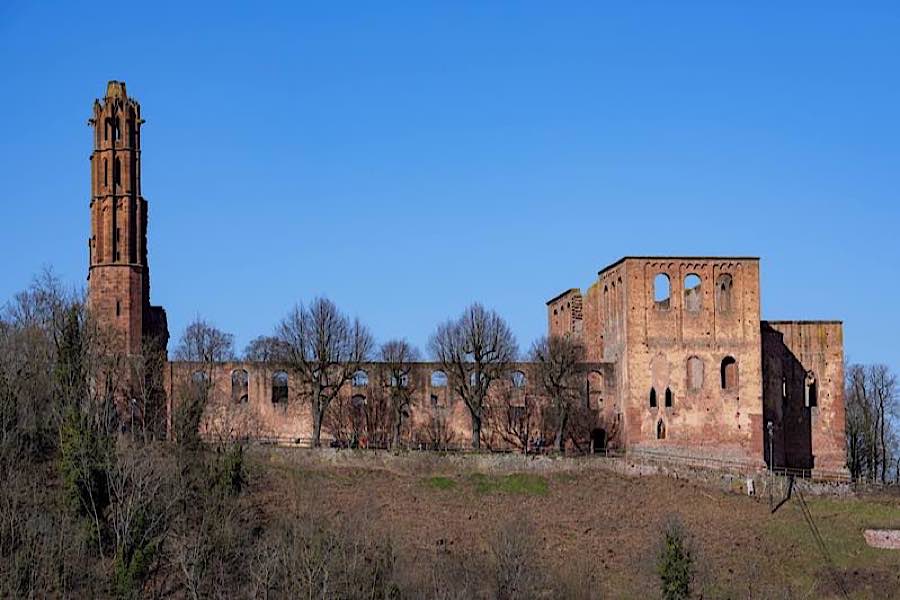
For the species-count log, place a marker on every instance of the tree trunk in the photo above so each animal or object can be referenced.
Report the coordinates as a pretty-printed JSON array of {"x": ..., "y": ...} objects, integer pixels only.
[
  {"x": 883, "y": 444},
  {"x": 318, "y": 413},
  {"x": 398, "y": 423},
  {"x": 476, "y": 431},
  {"x": 562, "y": 421}
]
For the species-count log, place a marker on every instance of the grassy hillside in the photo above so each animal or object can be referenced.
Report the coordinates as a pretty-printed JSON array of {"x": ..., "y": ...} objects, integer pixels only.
[{"x": 595, "y": 530}]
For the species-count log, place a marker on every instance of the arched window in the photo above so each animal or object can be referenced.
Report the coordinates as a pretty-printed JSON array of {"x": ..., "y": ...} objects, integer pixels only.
[
  {"x": 199, "y": 378},
  {"x": 660, "y": 430},
  {"x": 594, "y": 388},
  {"x": 105, "y": 172},
  {"x": 723, "y": 292},
  {"x": 117, "y": 172},
  {"x": 438, "y": 379},
  {"x": 240, "y": 386},
  {"x": 661, "y": 291},
  {"x": 518, "y": 379},
  {"x": 693, "y": 299},
  {"x": 360, "y": 379},
  {"x": 358, "y": 401},
  {"x": 694, "y": 374},
  {"x": 652, "y": 397},
  {"x": 279, "y": 387},
  {"x": 811, "y": 393},
  {"x": 729, "y": 373},
  {"x": 670, "y": 398},
  {"x": 117, "y": 131}
]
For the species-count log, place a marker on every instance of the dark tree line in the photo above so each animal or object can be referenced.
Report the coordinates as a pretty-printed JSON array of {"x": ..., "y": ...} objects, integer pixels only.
[{"x": 872, "y": 405}]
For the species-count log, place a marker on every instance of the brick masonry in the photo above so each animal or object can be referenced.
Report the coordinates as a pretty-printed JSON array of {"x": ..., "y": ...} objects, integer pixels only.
[{"x": 680, "y": 361}]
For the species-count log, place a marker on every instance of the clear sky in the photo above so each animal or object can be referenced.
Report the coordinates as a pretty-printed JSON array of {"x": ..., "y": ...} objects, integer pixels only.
[{"x": 407, "y": 158}]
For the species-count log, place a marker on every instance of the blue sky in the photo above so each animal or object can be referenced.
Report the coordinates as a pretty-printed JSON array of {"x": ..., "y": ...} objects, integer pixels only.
[{"x": 407, "y": 158}]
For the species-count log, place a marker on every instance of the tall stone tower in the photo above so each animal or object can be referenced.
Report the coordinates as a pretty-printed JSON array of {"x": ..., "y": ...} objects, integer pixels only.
[{"x": 119, "y": 276}]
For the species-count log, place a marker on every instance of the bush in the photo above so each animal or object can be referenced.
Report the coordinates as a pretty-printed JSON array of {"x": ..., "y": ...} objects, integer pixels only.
[
  {"x": 516, "y": 571},
  {"x": 232, "y": 475},
  {"x": 83, "y": 464},
  {"x": 675, "y": 564}
]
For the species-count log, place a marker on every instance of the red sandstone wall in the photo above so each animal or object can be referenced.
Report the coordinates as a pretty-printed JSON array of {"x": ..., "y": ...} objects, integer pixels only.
[
  {"x": 292, "y": 421},
  {"x": 793, "y": 349},
  {"x": 565, "y": 313},
  {"x": 661, "y": 337}
]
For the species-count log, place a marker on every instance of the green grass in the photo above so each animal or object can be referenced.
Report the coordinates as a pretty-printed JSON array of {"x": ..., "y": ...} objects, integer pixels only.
[
  {"x": 841, "y": 522},
  {"x": 440, "y": 483},
  {"x": 517, "y": 483}
]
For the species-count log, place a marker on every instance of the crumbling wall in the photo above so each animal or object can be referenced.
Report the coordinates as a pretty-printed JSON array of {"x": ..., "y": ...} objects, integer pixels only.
[
  {"x": 804, "y": 393},
  {"x": 565, "y": 314},
  {"x": 254, "y": 411},
  {"x": 675, "y": 349}
]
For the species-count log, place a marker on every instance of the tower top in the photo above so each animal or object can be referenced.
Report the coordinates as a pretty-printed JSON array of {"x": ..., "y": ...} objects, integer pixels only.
[{"x": 116, "y": 89}]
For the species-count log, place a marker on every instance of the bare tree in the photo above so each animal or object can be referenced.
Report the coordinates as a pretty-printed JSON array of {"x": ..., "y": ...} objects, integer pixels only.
[
  {"x": 397, "y": 358},
  {"x": 514, "y": 415},
  {"x": 265, "y": 349},
  {"x": 557, "y": 368},
  {"x": 438, "y": 433},
  {"x": 147, "y": 410},
  {"x": 324, "y": 348},
  {"x": 872, "y": 401},
  {"x": 203, "y": 342},
  {"x": 474, "y": 350},
  {"x": 884, "y": 385},
  {"x": 207, "y": 346}
]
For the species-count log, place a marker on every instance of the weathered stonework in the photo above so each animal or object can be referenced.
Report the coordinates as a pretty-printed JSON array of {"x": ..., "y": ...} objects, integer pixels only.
[
  {"x": 119, "y": 275},
  {"x": 690, "y": 373},
  {"x": 701, "y": 375}
]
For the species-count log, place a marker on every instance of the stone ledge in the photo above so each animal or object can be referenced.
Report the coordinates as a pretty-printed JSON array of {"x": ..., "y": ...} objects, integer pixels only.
[{"x": 885, "y": 539}]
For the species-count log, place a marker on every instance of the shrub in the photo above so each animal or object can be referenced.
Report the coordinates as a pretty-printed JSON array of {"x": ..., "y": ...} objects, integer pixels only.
[
  {"x": 83, "y": 464},
  {"x": 514, "y": 549},
  {"x": 232, "y": 475},
  {"x": 675, "y": 564}
]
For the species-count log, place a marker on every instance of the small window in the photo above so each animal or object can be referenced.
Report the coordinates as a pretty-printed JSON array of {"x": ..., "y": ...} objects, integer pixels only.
[
  {"x": 434, "y": 401},
  {"x": 670, "y": 398},
  {"x": 360, "y": 379},
  {"x": 105, "y": 172},
  {"x": 279, "y": 387},
  {"x": 403, "y": 381},
  {"x": 118, "y": 308},
  {"x": 729, "y": 373},
  {"x": 117, "y": 132},
  {"x": 438, "y": 379},
  {"x": 661, "y": 291},
  {"x": 240, "y": 386},
  {"x": 518, "y": 379},
  {"x": 694, "y": 374},
  {"x": 724, "y": 285},
  {"x": 660, "y": 430},
  {"x": 200, "y": 380},
  {"x": 358, "y": 402},
  {"x": 811, "y": 394},
  {"x": 117, "y": 172},
  {"x": 693, "y": 299},
  {"x": 652, "y": 397}
]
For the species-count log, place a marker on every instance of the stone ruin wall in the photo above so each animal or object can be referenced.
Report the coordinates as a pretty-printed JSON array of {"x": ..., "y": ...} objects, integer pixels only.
[
  {"x": 804, "y": 393},
  {"x": 436, "y": 412}
]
